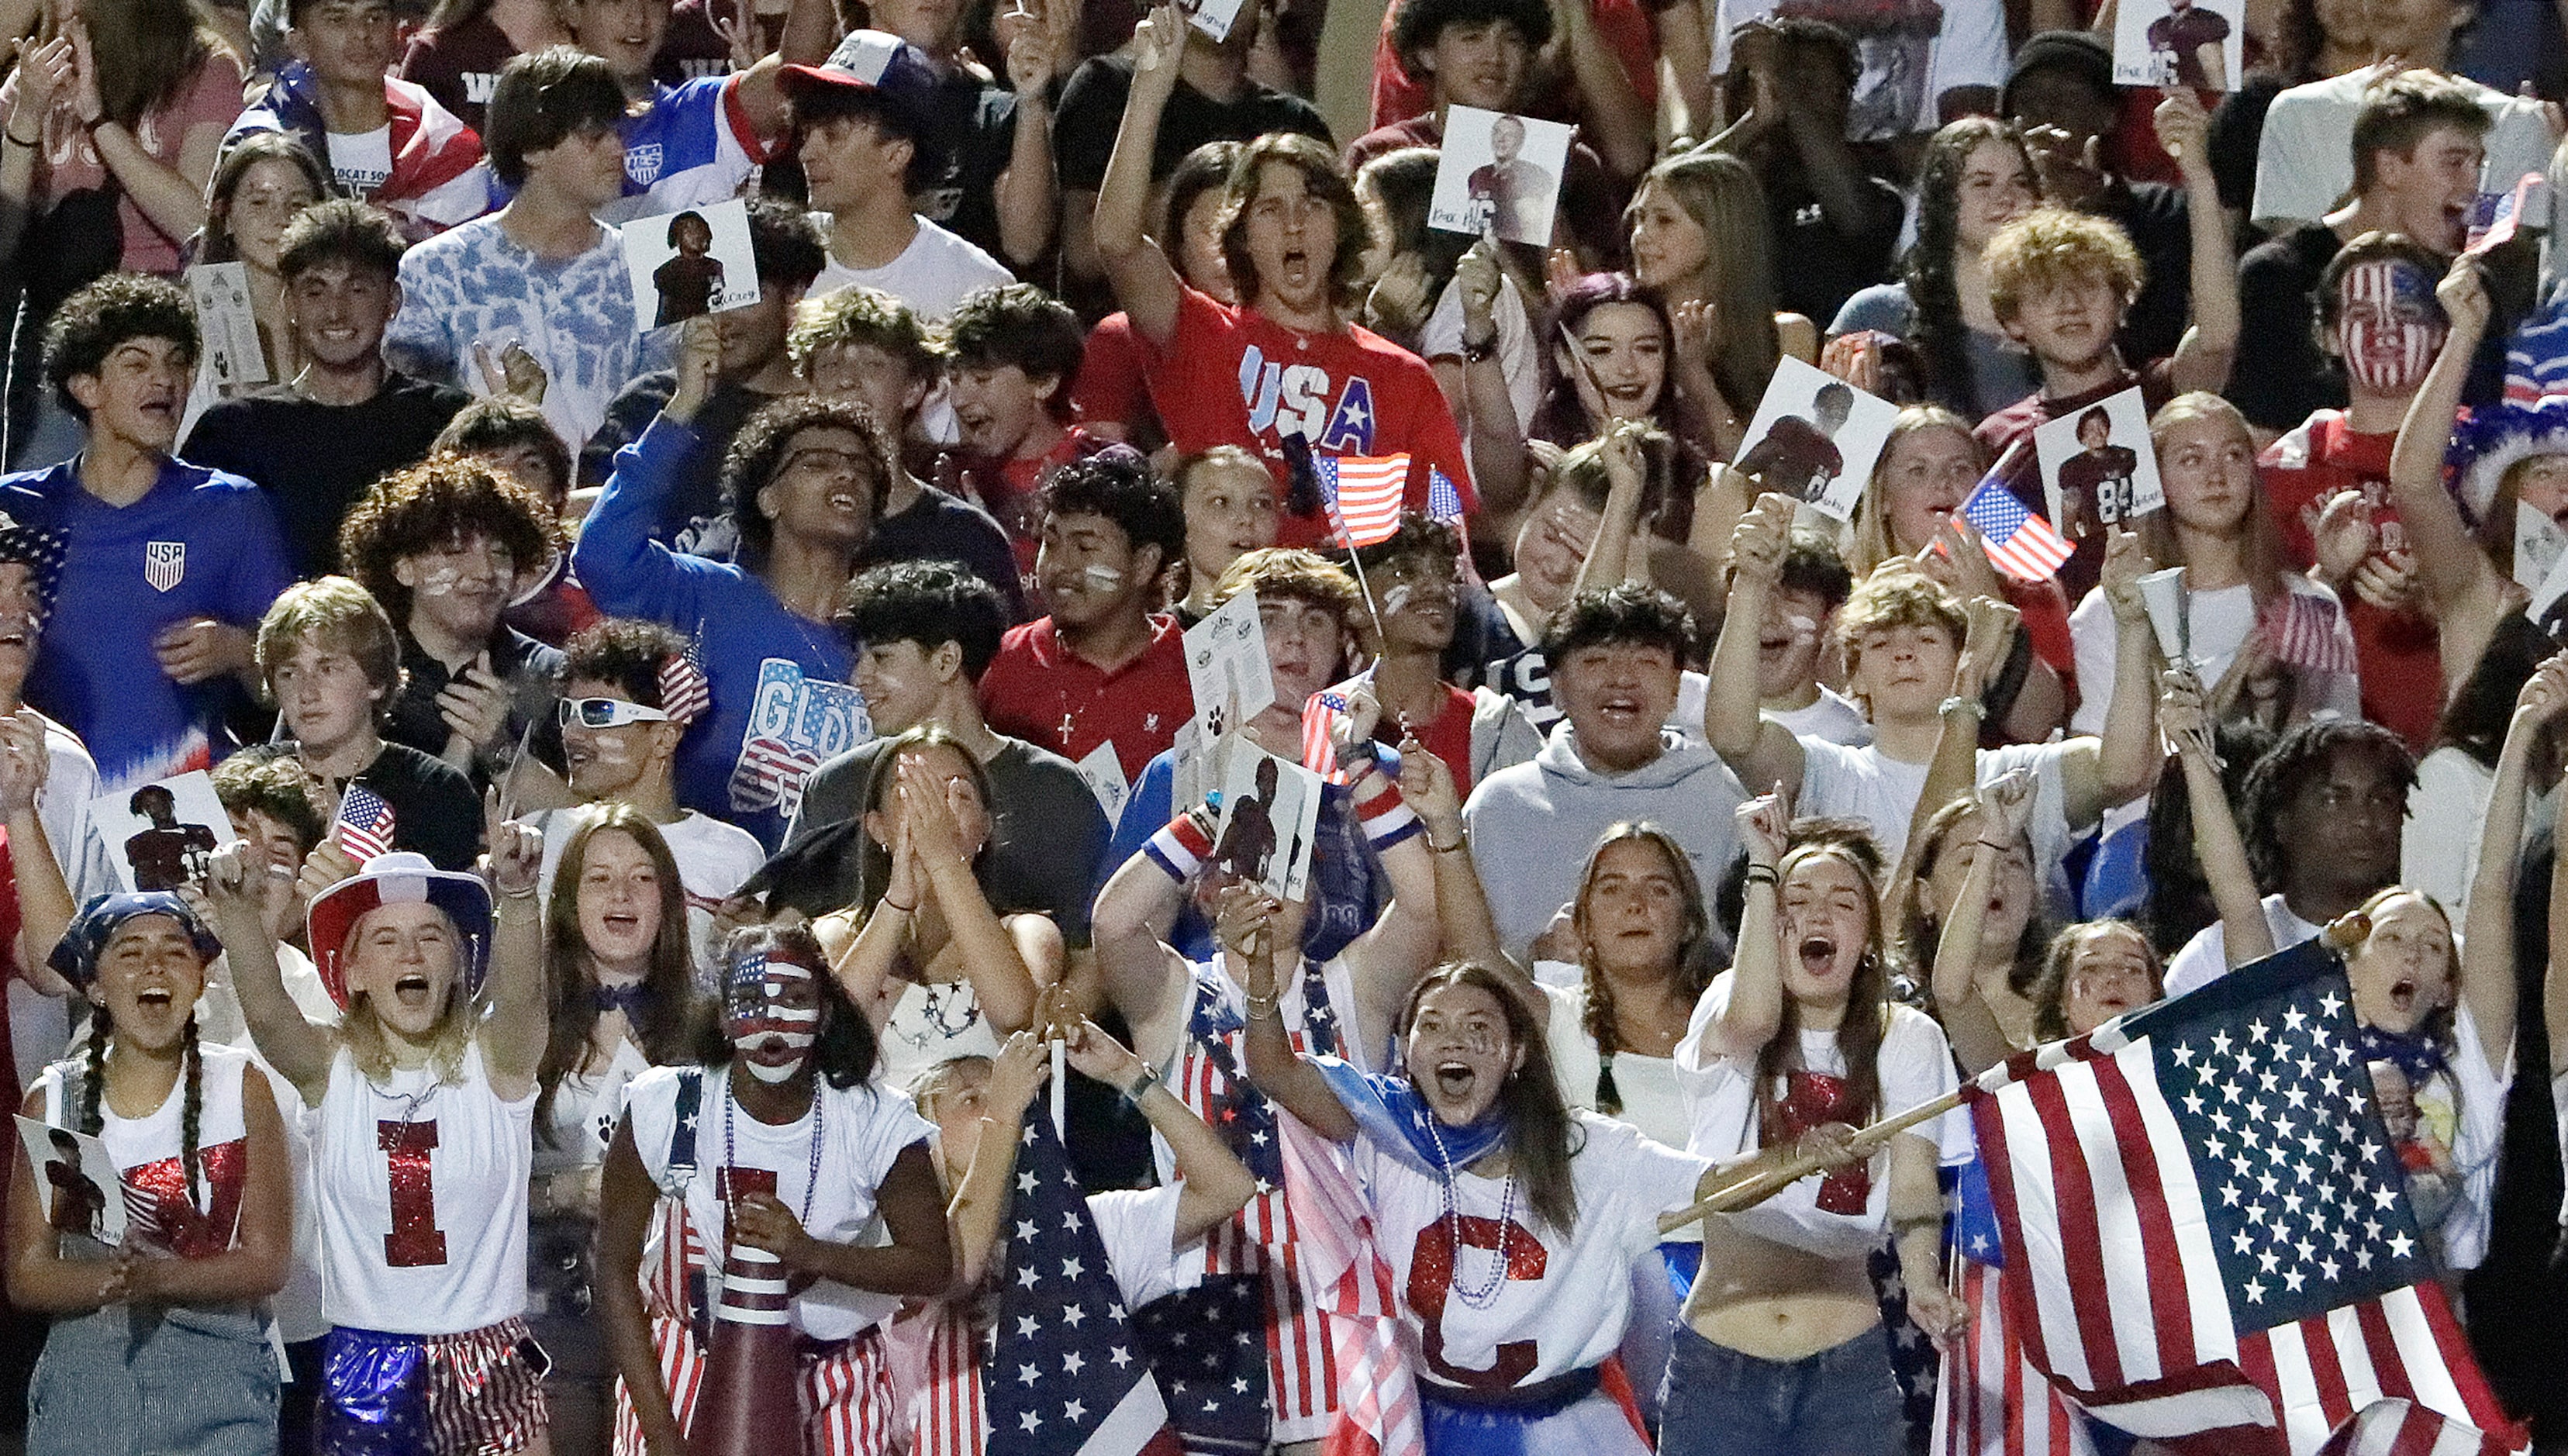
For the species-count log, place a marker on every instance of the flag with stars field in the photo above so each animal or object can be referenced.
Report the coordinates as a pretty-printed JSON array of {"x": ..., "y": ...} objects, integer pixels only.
[
  {"x": 1064, "y": 1375},
  {"x": 2207, "y": 1236}
]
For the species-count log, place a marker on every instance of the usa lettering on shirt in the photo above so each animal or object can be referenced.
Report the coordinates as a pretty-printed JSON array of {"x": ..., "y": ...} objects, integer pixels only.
[{"x": 1300, "y": 399}]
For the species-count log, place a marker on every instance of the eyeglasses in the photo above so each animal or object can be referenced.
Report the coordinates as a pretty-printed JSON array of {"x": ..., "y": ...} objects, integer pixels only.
[{"x": 606, "y": 712}]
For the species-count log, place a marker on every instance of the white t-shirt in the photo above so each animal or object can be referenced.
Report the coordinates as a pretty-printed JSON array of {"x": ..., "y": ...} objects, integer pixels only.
[
  {"x": 863, "y": 1129},
  {"x": 1903, "y": 65},
  {"x": 2439, "y": 851},
  {"x": 380, "y": 1268},
  {"x": 1519, "y": 359},
  {"x": 1834, "y": 718},
  {"x": 1865, "y": 784},
  {"x": 714, "y": 860},
  {"x": 2472, "y": 1105},
  {"x": 147, "y": 1152},
  {"x": 361, "y": 161},
  {"x": 931, "y": 275},
  {"x": 1572, "y": 1310},
  {"x": 2305, "y": 156},
  {"x": 2205, "y": 958},
  {"x": 585, "y": 1107},
  {"x": 1915, "y": 1065},
  {"x": 2217, "y": 626},
  {"x": 1652, "y": 1101}
]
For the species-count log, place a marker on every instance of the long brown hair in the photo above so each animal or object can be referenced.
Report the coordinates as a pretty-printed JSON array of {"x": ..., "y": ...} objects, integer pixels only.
[
  {"x": 1723, "y": 196},
  {"x": 1916, "y": 926},
  {"x": 570, "y": 973},
  {"x": 1539, "y": 1137},
  {"x": 1692, "y": 970},
  {"x": 1867, "y": 1013},
  {"x": 151, "y": 51}
]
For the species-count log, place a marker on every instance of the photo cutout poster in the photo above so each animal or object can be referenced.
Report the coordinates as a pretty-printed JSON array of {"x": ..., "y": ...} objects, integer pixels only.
[
  {"x": 2099, "y": 468},
  {"x": 1498, "y": 172},
  {"x": 1815, "y": 438},
  {"x": 692, "y": 262},
  {"x": 2195, "y": 43}
]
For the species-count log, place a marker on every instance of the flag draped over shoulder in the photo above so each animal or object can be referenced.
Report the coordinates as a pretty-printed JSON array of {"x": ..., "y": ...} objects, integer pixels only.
[
  {"x": 1378, "y": 1411},
  {"x": 2206, "y": 1234}
]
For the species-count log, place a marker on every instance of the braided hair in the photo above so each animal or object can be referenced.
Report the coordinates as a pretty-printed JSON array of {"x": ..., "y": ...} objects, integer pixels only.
[{"x": 191, "y": 1104}]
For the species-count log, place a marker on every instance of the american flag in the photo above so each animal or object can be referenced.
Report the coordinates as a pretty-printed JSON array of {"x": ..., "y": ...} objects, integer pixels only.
[
  {"x": 1066, "y": 1376},
  {"x": 1364, "y": 494},
  {"x": 2022, "y": 543},
  {"x": 2390, "y": 288},
  {"x": 1443, "y": 501},
  {"x": 770, "y": 774},
  {"x": 1320, "y": 718},
  {"x": 685, "y": 693},
  {"x": 1989, "y": 1401},
  {"x": 2206, "y": 1230},
  {"x": 2309, "y": 633},
  {"x": 2498, "y": 214},
  {"x": 2404, "y": 1428},
  {"x": 364, "y": 827},
  {"x": 1378, "y": 1389}
]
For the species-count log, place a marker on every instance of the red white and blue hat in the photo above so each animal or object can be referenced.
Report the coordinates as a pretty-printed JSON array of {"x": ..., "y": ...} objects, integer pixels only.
[{"x": 398, "y": 878}]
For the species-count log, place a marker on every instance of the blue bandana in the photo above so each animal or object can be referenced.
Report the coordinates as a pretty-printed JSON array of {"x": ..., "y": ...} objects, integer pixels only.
[
  {"x": 1390, "y": 1113},
  {"x": 76, "y": 958},
  {"x": 2411, "y": 1052}
]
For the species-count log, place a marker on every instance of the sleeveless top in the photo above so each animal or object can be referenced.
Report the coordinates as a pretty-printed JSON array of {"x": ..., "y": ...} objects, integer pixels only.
[{"x": 147, "y": 1152}]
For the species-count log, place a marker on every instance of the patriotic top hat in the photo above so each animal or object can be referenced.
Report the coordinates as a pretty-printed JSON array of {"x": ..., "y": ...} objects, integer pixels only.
[{"x": 398, "y": 878}]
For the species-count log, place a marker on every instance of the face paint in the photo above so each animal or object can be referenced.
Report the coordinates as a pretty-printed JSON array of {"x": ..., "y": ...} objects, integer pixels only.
[
  {"x": 2390, "y": 328},
  {"x": 771, "y": 1038},
  {"x": 1394, "y": 599},
  {"x": 1104, "y": 579}
]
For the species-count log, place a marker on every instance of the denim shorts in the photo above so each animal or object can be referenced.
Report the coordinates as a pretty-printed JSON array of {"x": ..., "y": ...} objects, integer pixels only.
[
  {"x": 1842, "y": 1402},
  {"x": 140, "y": 1380}
]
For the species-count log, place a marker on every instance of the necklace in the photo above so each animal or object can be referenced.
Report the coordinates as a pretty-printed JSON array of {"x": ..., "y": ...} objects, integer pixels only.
[
  {"x": 1485, "y": 1294},
  {"x": 731, "y": 1156},
  {"x": 939, "y": 995}
]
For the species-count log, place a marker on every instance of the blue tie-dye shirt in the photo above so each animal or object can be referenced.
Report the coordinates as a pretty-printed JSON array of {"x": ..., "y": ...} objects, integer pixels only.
[{"x": 476, "y": 284}]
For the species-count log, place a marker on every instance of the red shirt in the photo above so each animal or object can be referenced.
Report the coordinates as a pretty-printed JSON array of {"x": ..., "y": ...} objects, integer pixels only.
[
  {"x": 1628, "y": 29},
  {"x": 1037, "y": 690},
  {"x": 1011, "y": 490},
  {"x": 1449, "y": 738},
  {"x": 2017, "y": 422},
  {"x": 2396, "y": 652},
  {"x": 1231, "y": 375},
  {"x": 1111, "y": 389}
]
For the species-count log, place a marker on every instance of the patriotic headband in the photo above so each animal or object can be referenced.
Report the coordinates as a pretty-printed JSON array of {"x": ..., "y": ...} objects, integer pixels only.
[{"x": 76, "y": 957}]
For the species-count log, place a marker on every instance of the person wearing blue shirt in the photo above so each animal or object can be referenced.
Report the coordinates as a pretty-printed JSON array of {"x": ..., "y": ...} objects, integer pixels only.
[
  {"x": 805, "y": 481},
  {"x": 164, "y": 564}
]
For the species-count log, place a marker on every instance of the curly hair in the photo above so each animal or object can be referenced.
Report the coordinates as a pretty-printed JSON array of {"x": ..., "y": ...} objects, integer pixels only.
[
  {"x": 2052, "y": 247},
  {"x": 1322, "y": 177},
  {"x": 1416, "y": 26},
  {"x": 1891, "y": 599},
  {"x": 1416, "y": 535},
  {"x": 1624, "y": 614},
  {"x": 499, "y": 424},
  {"x": 1118, "y": 484},
  {"x": 117, "y": 309},
  {"x": 2299, "y": 760},
  {"x": 930, "y": 603},
  {"x": 438, "y": 501},
  {"x": 1288, "y": 573},
  {"x": 766, "y": 441},
  {"x": 1942, "y": 335},
  {"x": 341, "y": 231},
  {"x": 627, "y": 652},
  {"x": 860, "y": 315},
  {"x": 277, "y": 785}
]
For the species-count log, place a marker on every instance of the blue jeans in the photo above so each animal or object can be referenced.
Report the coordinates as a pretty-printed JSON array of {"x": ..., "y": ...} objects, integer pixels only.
[{"x": 1842, "y": 1402}]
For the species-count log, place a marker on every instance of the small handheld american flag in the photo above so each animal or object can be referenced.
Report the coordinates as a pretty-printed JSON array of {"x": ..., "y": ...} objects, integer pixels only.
[
  {"x": 685, "y": 693},
  {"x": 1364, "y": 494},
  {"x": 364, "y": 827},
  {"x": 2308, "y": 633},
  {"x": 2022, "y": 543}
]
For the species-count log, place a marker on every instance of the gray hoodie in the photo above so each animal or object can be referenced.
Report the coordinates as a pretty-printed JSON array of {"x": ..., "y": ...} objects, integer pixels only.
[{"x": 1534, "y": 825}]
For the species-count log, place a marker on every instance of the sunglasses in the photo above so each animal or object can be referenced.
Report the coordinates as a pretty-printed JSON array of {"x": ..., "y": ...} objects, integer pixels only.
[{"x": 606, "y": 712}]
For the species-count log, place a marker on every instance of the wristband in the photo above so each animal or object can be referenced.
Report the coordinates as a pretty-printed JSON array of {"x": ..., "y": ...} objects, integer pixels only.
[
  {"x": 1141, "y": 1085},
  {"x": 1387, "y": 819},
  {"x": 1959, "y": 703},
  {"x": 1762, "y": 874},
  {"x": 1181, "y": 849},
  {"x": 888, "y": 903}
]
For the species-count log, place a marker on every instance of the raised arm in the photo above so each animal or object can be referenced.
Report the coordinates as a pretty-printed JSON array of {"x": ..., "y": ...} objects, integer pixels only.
[
  {"x": 978, "y": 1210},
  {"x": 514, "y": 1024},
  {"x": 2126, "y": 757},
  {"x": 1143, "y": 977},
  {"x": 1478, "y": 386},
  {"x": 1246, "y": 926},
  {"x": 2487, "y": 939},
  {"x": 1029, "y": 192},
  {"x": 2208, "y": 349},
  {"x": 1468, "y": 930},
  {"x": 1400, "y": 944},
  {"x": 1215, "y": 1183},
  {"x": 45, "y": 907},
  {"x": 2004, "y": 807},
  {"x": 1954, "y": 771},
  {"x": 1144, "y": 282},
  {"x": 2222, "y": 853},
  {"x": 618, "y": 560},
  {"x": 2458, "y": 574},
  {"x": 299, "y": 1051},
  {"x": 1615, "y": 120},
  {"x": 811, "y": 32},
  {"x": 2554, "y": 986},
  {"x": 1755, "y": 1008},
  {"x": 1609, "y": 560},
  {"x": 1758, "y": 751}
]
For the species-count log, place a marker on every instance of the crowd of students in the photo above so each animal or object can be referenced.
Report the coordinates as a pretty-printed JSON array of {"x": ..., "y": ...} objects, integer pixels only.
[{"x": 680, "y": 777}]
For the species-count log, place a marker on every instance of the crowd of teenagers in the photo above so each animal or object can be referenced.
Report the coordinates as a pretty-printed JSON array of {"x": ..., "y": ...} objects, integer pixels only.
[{"x": 715, "y": 811}]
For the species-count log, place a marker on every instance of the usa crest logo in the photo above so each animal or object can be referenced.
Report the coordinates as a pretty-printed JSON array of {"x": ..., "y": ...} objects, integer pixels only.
[
  {"x": 164, "y": 564},
  {"x": 642, "y": 162}
]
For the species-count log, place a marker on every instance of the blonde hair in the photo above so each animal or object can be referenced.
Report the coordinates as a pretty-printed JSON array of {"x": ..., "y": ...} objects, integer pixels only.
[
  {"x": 1723, "y": 196},
  {"x": 1868, "y": 542},
  {"x": 2260, "y": 544},
  {"x": 1895, "y": 596},
  {"x": 362, "y": 1030},
  {"x": 2052, "y": 247},
  {"x": 334, "y": 614}
]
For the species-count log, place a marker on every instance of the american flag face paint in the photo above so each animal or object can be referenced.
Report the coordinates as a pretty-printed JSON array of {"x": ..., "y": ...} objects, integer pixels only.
[
  {"x": 2387, "y": 326},
  {"x": 771, "y": 1014}
]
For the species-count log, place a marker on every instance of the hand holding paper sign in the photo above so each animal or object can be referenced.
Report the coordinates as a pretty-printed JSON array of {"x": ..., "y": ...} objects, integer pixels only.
[{"x": 698, "y": 367}]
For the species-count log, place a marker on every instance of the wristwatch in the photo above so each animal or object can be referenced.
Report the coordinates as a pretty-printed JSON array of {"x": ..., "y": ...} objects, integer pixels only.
[{"x": 1487, "y": 348}]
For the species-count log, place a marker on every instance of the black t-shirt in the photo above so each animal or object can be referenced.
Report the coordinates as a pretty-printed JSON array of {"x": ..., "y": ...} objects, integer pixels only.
[
  {"x": 2159, "y": 222},
  {"x": 967, "y": 129},
  {"x": 435, "y": 811},
  {"x": 2282, "y": 376},
  {"x": 1819, "y": 265},
  {"x": 315, "y": 459},
  {"x": 533, "y": 671},
  {"x": 942, "y": 528},
  {"x": 1092, "y": 107}
]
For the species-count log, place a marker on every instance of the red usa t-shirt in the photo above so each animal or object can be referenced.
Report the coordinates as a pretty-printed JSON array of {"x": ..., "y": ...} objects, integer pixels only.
[{"x": 1232, "y": 376}]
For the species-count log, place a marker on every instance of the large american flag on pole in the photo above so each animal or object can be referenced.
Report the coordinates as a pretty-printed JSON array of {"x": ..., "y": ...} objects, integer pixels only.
[
  {"x": 1064, "y": 1375},
  {"x": 1364, "y": 494},
  {"x": 2206, "y": 1230}
]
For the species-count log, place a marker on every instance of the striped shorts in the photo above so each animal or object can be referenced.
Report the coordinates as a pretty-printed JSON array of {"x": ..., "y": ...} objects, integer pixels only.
[
  {"x": 478, "y": 1393},
  {"x": 846, "y": 1388}
]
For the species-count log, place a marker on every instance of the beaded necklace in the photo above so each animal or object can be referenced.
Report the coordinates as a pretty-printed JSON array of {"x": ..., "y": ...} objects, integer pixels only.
[
  {"x": 1487, "y": 1294},
  {"x": 731, "y": 1156}
]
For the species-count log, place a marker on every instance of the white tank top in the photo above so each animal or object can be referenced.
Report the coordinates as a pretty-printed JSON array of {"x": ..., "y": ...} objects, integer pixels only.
[
  {"x": 148, "y": 1152},
  {"x": 422, "y": 1191},
  {"x": 863, "y": 1129},
  {"x": 584, "y": 1111},
  {"x": 928, "y": 1025}
]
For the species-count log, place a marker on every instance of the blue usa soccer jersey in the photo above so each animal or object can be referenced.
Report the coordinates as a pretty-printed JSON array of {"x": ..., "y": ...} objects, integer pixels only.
[
  {"x": 694, "y": 146},
  {"x": 200, "y": 543}
]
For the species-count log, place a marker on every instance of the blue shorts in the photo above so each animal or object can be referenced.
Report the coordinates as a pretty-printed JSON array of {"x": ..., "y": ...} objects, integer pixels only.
[{"x": 478, "y": 1393}]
